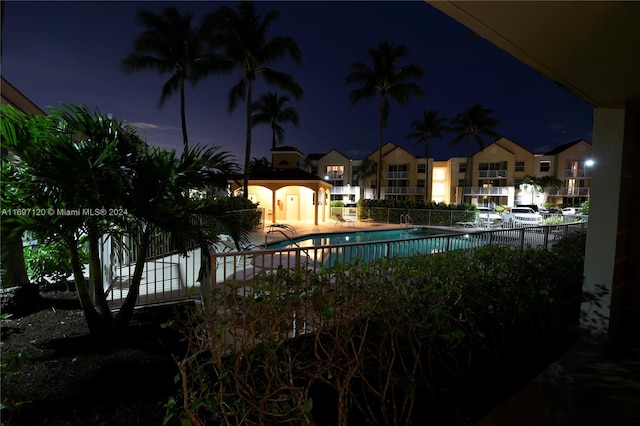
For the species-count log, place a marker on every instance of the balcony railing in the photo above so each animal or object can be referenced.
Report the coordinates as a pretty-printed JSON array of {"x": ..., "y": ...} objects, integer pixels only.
[
  {"x": 345, "y": 190},
  {"x": 403, "y": 190},
  {"x": 397, "y": 175},
  {"x": 579, "y": 173},
  {"x": 492, "y": 173},
  {"x": 569, "y": 192},
  {"x": 334, "y": 176},
  {"x": 490, "y": 190}
]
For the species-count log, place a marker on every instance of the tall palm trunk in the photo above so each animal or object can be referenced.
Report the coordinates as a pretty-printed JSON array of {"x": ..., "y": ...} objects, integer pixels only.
[
  {"x": 466, "y": 170},
  {"x": 380, "y": 127},
  {"x": 183, "y": 118},
  {"x": 273, "y": 136},
  {"x": 247, "y": 153},
  {"x": 426, "y": 167}
]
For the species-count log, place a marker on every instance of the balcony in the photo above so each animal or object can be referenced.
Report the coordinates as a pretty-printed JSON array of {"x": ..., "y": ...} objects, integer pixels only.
[
  {"x": 577, "y": 173},
  {"x": 333, "y": 176},
  {"x": 492, "y": 173},
  {"x": 397, "y": 175},
  {"x": 570, "y": 192},
  {"x": 403, "y": 190},
  {"x": 345, "y": 190},
  {"x": 502, "y": 191}
]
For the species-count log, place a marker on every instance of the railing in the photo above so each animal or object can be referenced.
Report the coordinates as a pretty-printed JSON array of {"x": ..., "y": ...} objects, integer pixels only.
[
  {"x": 405, "y": 220},
  {"x": 397, "y": 175},
  {"x": 576, "y": 191},
  {"x": 167, "y": 275},
  {"x": 490, "y": 190},
  {"x": 492, "y": 173},
  {"x": 237, "y": 270},
  {"x": 402, "y": 190},
  {"x": 577, "y": 173},
  {"x": 423, "y": 217},
  {"x": 345, "y": 190}
]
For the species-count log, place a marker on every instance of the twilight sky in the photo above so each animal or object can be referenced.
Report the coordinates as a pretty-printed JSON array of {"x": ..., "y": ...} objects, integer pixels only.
[{"x": 72, "y": 51}]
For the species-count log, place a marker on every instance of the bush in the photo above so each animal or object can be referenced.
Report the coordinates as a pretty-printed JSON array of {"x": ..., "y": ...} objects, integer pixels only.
[
  {"x": 367, "y": 341},
  {"x": 49, "y": 262}
]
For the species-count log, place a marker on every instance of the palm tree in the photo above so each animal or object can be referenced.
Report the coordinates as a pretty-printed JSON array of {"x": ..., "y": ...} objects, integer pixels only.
[
  {"x": 472, "y": 124},
  {"x": 431, "y": 126},
  {"x": 367, "y": 168},
  {"x": 259, "y": 164},
  {"x": 169, "y": 45},
  {"x": 108, "y": 166},
  {"x": 540, "y": 184},
  {"x": 270, "y": 110},
  {"x": 242, "y": 33},
  {"x": 384, "y": 78}
]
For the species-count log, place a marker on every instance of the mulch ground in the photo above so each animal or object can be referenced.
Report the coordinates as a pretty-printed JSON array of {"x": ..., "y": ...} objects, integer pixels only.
[{"x": 68, "y": 379}]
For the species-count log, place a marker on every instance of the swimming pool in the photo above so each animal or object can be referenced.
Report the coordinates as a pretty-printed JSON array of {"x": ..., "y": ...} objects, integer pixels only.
[{"x": 321, "y": 240}]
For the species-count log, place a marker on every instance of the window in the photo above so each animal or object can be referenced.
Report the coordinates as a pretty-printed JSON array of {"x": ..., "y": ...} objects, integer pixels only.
[
  {"x": 519, "y": 166},
  {"x": 422, "y": 168},
  {"x": 460, "y": 182},
  {"x": 334, "y": 172},
  {"x": 373, "y": 184},
  {"x": 314, "y": 169},
  {"x": 420, "y": 183},
  {"x": 462, "y": 168},
  {"x": 545, "y": 166}
]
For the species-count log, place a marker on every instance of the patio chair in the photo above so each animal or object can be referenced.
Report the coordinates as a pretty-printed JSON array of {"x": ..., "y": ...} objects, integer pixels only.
[{"x": 341, "y": 220}]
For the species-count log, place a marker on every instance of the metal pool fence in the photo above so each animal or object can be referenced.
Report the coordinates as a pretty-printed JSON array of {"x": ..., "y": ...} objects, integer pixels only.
[{"x": 238, "y": 269}]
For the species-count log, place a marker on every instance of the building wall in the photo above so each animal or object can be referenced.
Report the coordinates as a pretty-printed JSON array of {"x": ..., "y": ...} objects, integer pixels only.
[{"x": 445, "y": 176}]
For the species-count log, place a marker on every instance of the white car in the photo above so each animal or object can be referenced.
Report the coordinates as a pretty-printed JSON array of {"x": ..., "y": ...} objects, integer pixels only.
[
  {"x": 521, "y": 216},
  {"x": 488, "y": 215},
  {"x": 572, "y": 211}
]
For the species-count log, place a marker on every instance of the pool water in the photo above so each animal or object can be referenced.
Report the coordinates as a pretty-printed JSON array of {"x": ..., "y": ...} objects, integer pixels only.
[{"x": 357, "y": 237}]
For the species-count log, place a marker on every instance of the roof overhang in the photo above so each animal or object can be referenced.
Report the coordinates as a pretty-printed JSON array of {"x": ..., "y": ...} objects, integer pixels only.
[{"x": 590, "y": 48}]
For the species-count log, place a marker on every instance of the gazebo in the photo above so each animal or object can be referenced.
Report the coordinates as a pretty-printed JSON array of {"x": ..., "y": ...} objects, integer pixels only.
[{"x": 287, "y": 192}]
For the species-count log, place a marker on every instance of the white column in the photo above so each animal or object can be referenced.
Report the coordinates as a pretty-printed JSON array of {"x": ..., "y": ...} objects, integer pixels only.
[{"x": 603, "y": 236}]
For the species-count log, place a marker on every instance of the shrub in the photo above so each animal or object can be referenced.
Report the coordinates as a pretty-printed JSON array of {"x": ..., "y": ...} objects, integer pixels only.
[
  {"x": 366, "y": 341},
  {"x": 49, "y": 262}
]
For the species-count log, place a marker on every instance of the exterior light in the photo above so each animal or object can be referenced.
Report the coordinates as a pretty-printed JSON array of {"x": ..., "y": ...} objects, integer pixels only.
[
  {"x": 589, "y": 163},
  {"x": 326, "y": 177}
]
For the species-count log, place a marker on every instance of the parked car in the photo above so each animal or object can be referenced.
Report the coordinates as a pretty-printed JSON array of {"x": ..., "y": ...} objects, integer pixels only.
[
  {"x": 571, "y": 211},
  {"x": 488, "y": 215},
  {"x": 520, "y": 216}
]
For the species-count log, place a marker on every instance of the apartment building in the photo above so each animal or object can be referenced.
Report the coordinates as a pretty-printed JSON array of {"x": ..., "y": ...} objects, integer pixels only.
[{"x": 493, "y": 176}]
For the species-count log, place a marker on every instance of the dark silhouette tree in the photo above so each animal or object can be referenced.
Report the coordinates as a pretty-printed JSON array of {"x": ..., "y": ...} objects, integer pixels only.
[
  {"x": 170, "y": 45},
  {"x": 243, "y": 35},
  {"x": 430, "y": 126},
  {"x": 386, "y": 79},
  {"x": 472, "y": 125},
  {"x": 270, "y": 109},
  {"x": 367, "y": 168}
]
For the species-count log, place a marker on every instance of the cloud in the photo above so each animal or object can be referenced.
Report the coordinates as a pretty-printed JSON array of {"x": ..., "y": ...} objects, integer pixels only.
[{"x": 151, "y": 126}]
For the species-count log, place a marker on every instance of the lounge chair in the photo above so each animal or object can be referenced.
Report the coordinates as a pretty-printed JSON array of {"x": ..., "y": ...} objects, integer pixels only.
[{"x": 341, "y": 220}]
